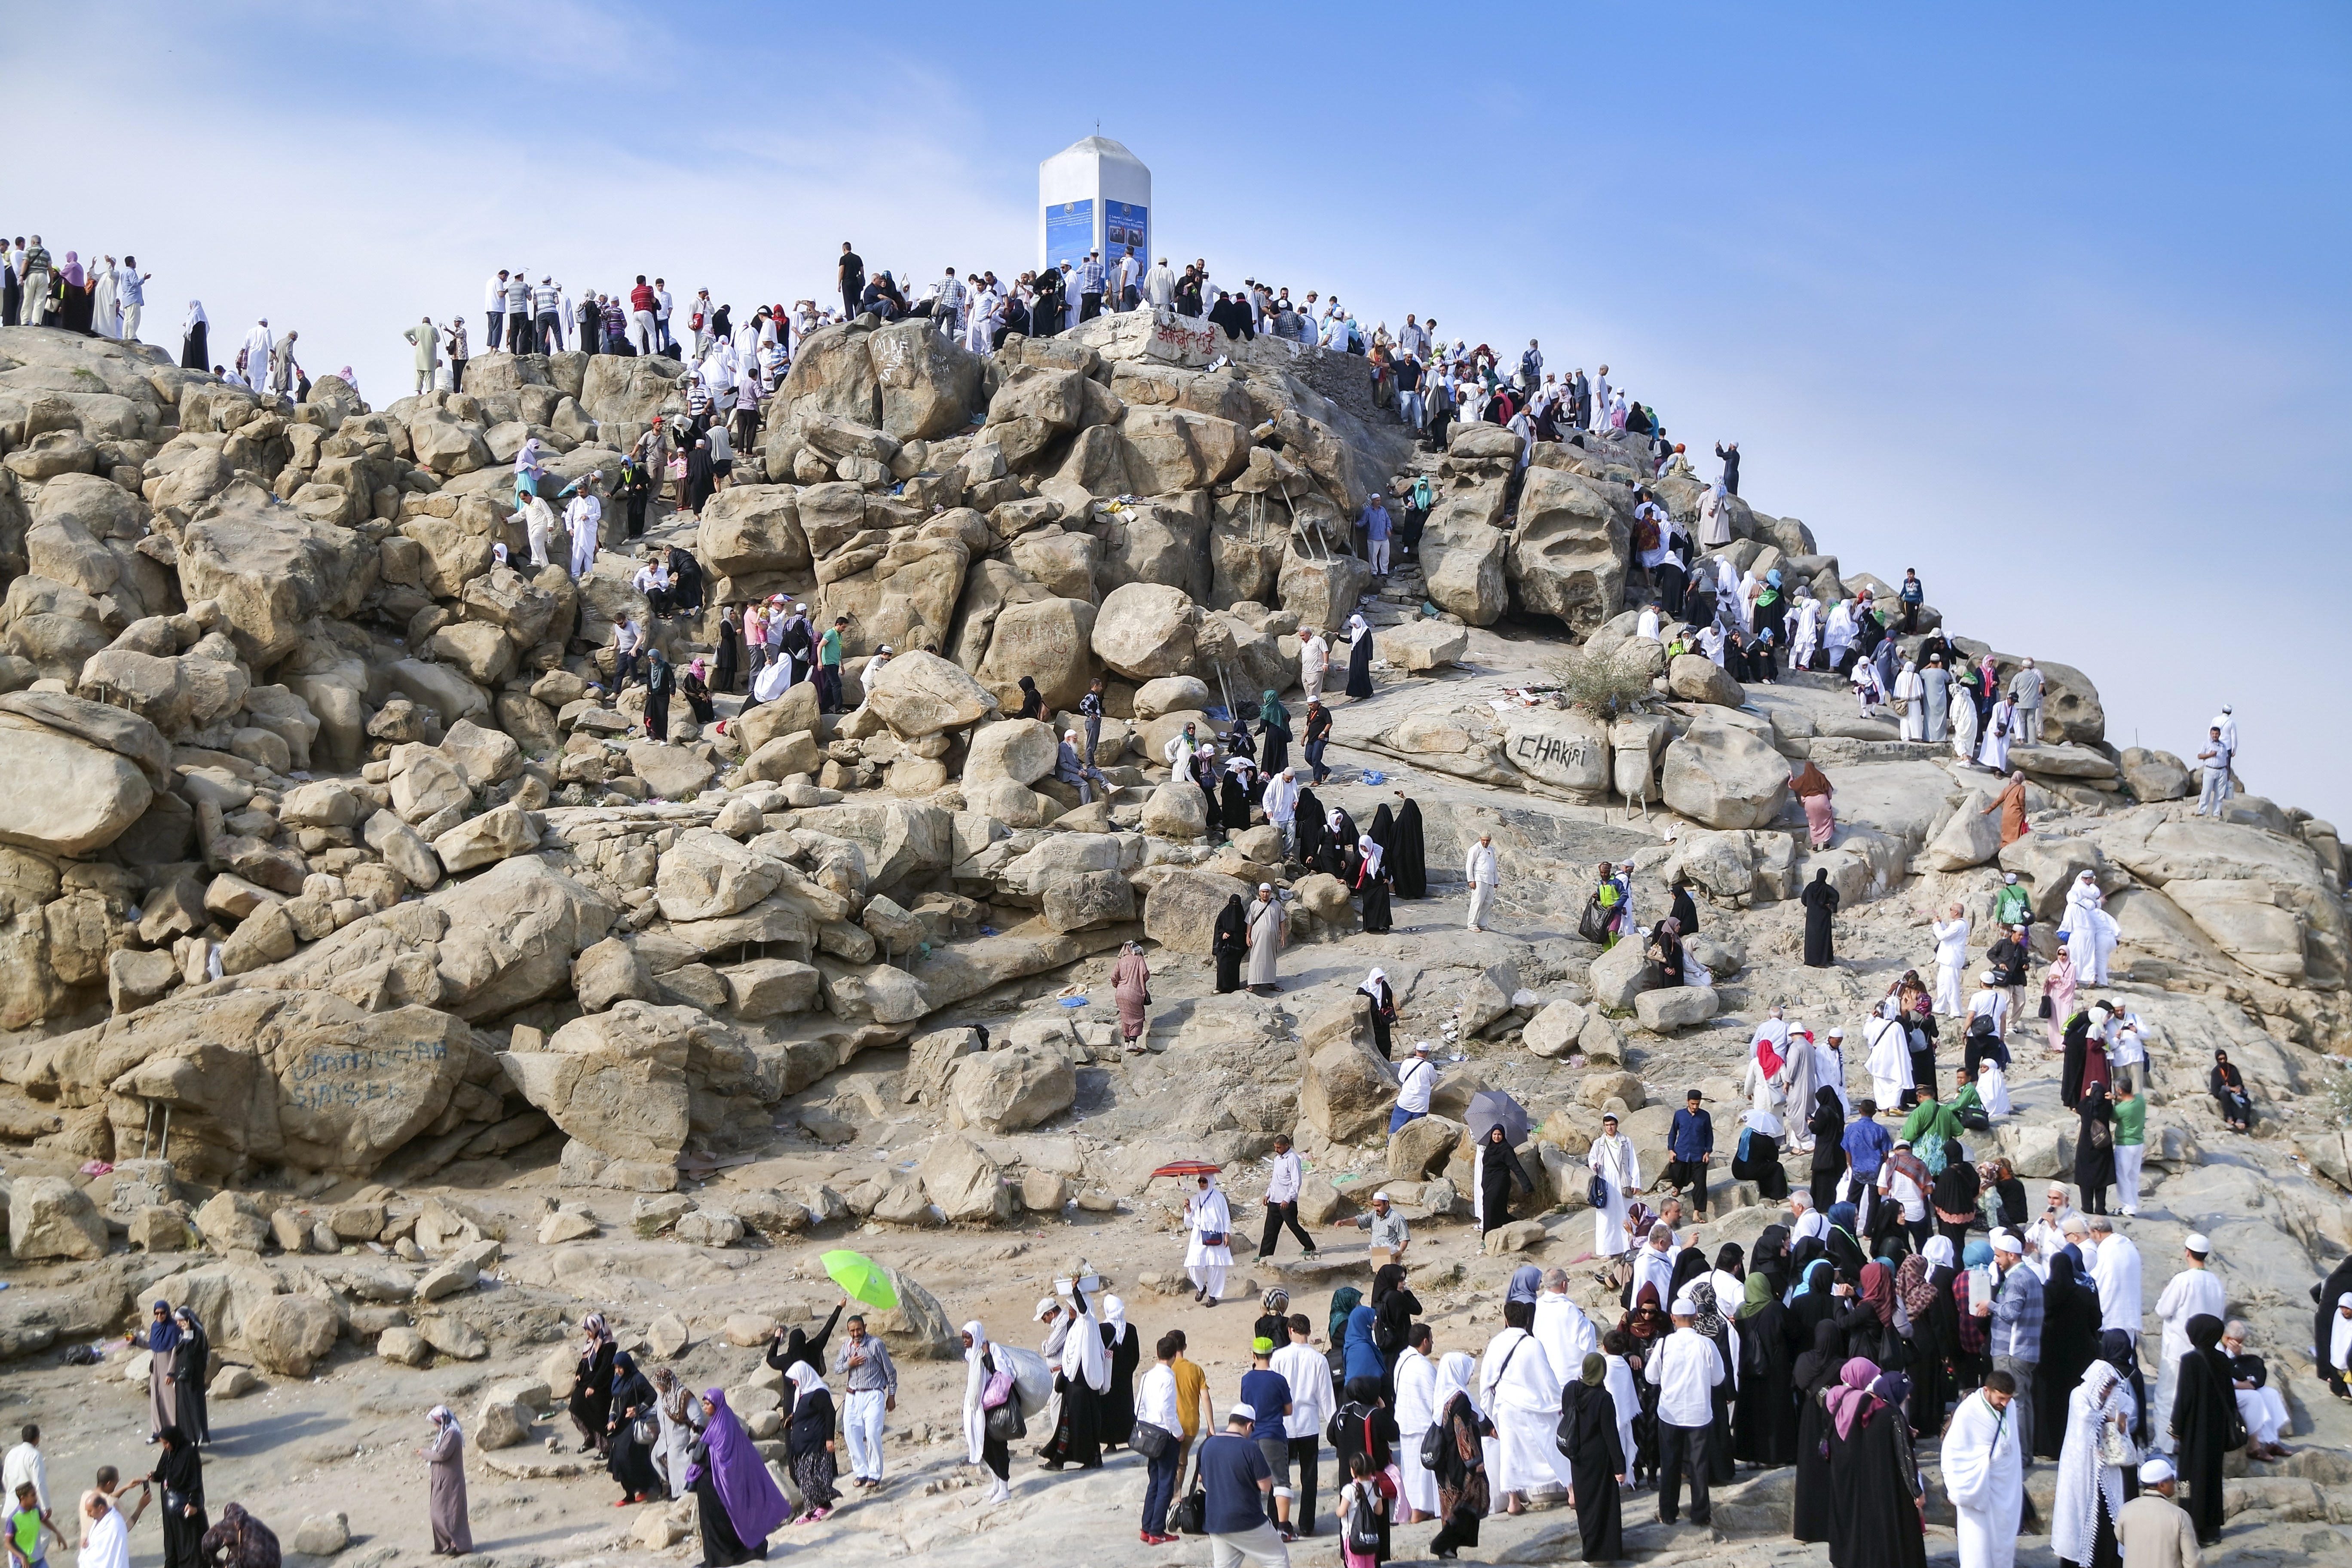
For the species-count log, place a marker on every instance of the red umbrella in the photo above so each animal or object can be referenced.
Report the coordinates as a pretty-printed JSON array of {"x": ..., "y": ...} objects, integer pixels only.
[{"x": 1188, "y": 1168}]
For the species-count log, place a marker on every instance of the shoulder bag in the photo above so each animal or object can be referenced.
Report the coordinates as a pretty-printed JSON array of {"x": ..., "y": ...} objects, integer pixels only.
[
  {"x": 1190, "y": 1514},
  {"x": 1149, "y": 1440}
]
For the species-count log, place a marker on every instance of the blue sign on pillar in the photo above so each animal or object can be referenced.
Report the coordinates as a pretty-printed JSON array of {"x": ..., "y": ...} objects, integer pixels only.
[
  {"x": 1069, "y": 232},
  {"x": 1125, "y": 224}
]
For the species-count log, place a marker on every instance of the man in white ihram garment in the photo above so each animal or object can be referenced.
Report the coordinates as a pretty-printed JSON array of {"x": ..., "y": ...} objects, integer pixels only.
[
  {"x": 1207, "y": 1215},
  {"x": 257, "y": 344},
  {"x": 2195, "y": 1291},
  {"x": 584, "y": 516},
  {"x": 1416, "y": 1413},
  {"x": 1612, "y": 1159},
  {"x": 1561, "y": 1327},
  {"x": 1951, "y": 957},
  {"x": 1520, "y": 1394},
  {"x": 1984, "y": 1473}
]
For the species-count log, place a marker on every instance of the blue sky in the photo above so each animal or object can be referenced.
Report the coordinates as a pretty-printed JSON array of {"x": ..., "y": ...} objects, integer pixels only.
[{"x": 2046, "y": 301}]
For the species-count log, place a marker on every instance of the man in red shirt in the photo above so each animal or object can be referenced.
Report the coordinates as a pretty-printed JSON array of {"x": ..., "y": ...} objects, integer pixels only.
[{"x": 641, "y": 316}]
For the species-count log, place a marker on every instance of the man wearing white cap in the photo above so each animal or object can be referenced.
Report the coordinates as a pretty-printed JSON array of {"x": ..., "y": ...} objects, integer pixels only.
[
  {"x": 2195, "y": 1291},
  {"x": 1684, "y": 1369},
  {"x": 2153, "y": 1530},
  {"x": 1984, "y": 1470},
  {"x": 2014, "y": 1328},
  {"x": 1414, "y": 1081}
]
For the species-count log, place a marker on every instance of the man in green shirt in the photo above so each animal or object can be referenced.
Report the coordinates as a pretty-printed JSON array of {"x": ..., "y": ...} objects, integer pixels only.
[
  {"x": 2131, "y": 1147},
  {"x": 2013, "y": 905},
  {"x": 828, "y": 666},
  {"x": 1927, "y": 1127},
  {"x": 428, "y": 357},
  {"x": 25, "y": 1522}
]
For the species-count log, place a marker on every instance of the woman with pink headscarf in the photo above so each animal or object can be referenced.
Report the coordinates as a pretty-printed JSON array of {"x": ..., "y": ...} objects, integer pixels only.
[{"x": 695, "y": 687}]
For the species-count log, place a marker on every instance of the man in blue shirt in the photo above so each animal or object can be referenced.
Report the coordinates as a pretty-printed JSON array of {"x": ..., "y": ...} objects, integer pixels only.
[
  {"x": 1376, "y": 536},
  {"x": 1867, "y": 1144},
  {"x": 1690, "y": 1143},
  {"x": 1235, "y": 1479}
]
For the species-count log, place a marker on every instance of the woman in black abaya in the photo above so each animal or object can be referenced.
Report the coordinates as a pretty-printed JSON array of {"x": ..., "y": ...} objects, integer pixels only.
[
  {"x": 2205, "y": 1423},
  {"x": 1409, "y": 865},
  {"x": 630, "y": 1461},
  {"x": 1372, "y": 883},
  {"x": 592, "y": 1382},
  {"x": 1360, "y": 662},
  {"x": 1311, "y": 830},
  {"x": 1230, "y": 943},
  {"x": 179, "y": 1477},
  {"x": 1874, "y": 1516},
  {"x": 2070, "y": 1344},
  {"x": 1596, "y": 1459},
  {"x": 1815, "y": 1374},
  {"x": 1764, "y": 1411},
  {"x": 1820, "y": 901}
]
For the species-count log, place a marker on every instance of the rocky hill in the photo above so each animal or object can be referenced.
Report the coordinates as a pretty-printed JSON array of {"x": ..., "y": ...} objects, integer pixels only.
[{"x": 414, "y": 998}]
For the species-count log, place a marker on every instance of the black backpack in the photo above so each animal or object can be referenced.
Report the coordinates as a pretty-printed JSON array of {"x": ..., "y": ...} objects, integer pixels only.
[{"x": 1362, "y": 1533}]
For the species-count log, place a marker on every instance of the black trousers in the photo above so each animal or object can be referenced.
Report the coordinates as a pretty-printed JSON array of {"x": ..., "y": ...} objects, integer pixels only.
[
  {"x": 1089, "y": 307},
  {"x": 1277, "y": 1216},
  {"x": 1680, "y": 1449},
  {"x": 1693, "y": 1175},
  {"x": 518, "y": 333},
  {"x": 456, "y": 376},
  {"x": 1303, "y": 1451}
]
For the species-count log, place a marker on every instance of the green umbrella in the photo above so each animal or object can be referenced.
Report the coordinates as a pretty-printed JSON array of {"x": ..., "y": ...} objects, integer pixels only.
[{"x": 862, "y": 1278}]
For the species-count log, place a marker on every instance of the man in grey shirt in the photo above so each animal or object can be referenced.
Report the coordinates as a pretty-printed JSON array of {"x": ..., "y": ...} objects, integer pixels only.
[
  {"x": 873, "y": 1384},
  {"x": 2025, "y": 691},
  {"x": 1389, "y": 1230}
]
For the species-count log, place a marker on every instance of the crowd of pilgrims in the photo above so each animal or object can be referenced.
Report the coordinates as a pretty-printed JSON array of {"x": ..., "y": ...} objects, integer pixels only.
[{"x": 1821, "y": 1346}]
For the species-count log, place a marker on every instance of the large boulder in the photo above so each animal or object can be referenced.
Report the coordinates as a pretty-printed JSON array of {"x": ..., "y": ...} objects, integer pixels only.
[
  {"x": 1563, "y": 747},
  {"x": 1462, "y": 565},
  {"x": 1725, "y": 776},
  {"x": 2154, "y": 776},
  {"x": 66, "y": 794},
  {"x": 1176, "y": 809},
  {"x": 270, "y": 569},
  {"x": 48, "y": 1216},
  {"x": 1145, "y": 631},
  {"x": 1422, "y": 645},
  {"x": 919, "y": 694},
  {"x": 615, "y": 1081},
  {"x": 1348, "y": 1091},
  {"x": 748, "y": 530},
  {"x": 1050, "y": 640},
  {"x": 1323, "y": 591},
  {"x": 1181, "y": 911},
  {"x": 1971, "y": 837},
  {"x": 1568, "y": 556},
  {"x": 264, "y": 1076},
  {"x": 1695, "y": 677},
  {"x": 1020, "y": 749},
  {"x": 290, "y": 1334},
  {"x": 1006, "y": 1091},
  {"x": 1674, "y": 1008},
  {"x": 969, "y": 1188},
  {"x": 928, "y": 384},
  {"x": 497, "y": 835}
]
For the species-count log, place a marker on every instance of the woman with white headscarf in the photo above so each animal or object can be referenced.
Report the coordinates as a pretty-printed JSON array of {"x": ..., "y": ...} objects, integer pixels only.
[
  {"x": 1122, "y": 1353},
  {"x": 1744, "y": 601},
  {"x": 1963, "y": 714},
  {"x": 1374, "y": 885},
  {"x": 1837, "y": 635},
  {"x": 1806, "y": 639},
  {"x": 1993, "y": 753},
  {"x": 1085, "y": 1376},
  {"x": 1464, "y": 1491},
  {"x": 1379, "y": 1006},
  {"x": 1714, "y": 518},
  {"x": 1911, "y": 699},
  {"x": 453, "y": 1533},
  {"x": 981, "y": 1367},
  {"x": 1209, "y": 1221},
  {"x": 678, "y": 1414},
  {"x": 194, "y": 349},
  {"x": 2090, "y": 1489}
]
